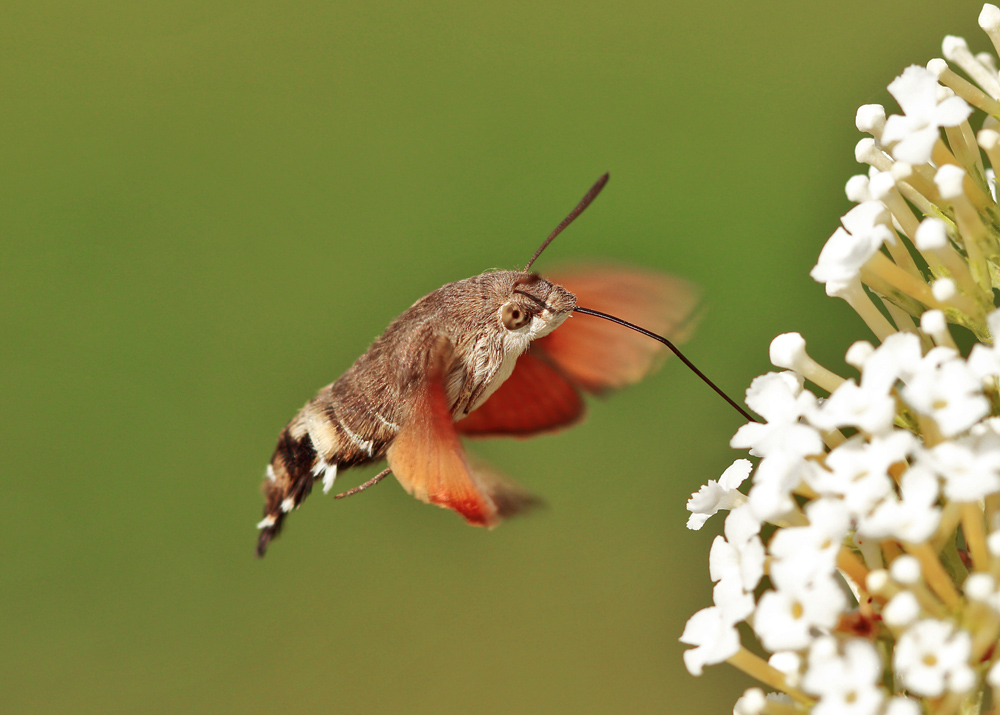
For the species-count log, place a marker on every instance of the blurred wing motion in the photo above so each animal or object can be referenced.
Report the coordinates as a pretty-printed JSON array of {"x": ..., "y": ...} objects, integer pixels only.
[
  {"x": 428, "y": 460},
  {"x": 587, "y": 353},
  {"x": 597, "y": 355}
]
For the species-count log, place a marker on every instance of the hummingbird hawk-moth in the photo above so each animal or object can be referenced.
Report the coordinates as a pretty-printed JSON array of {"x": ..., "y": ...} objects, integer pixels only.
[{"x": 496, "y": 354}]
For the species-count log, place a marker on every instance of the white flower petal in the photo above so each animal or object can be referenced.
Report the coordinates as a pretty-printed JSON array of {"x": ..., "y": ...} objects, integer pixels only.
[
  {"x": 715, "y": 638},
  {"x": 929, "y": 654}
]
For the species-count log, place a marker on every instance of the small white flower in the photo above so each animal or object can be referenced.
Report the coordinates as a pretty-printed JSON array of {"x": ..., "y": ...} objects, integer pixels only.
[
  {"x": 906, "y": 570},
  {"x": 858, "y": 470},
  {"x": 931, "y": 235},
  {"x": 984, "y": 363},
  {"x": 739, "y": 556},
  {"x": 913, "y": 517},
  {"x": 776, "y": 478},
  {"x": 715, "y": 496},
  {"x": 805, "y": 553},
  {"x": 881, "y": 185},
  {"x": 901, "y": 610},
  {"x": 981, "y": 587},
  {"x": 989, "y": 19},
  {"x": 858, "y": 354},
  {"x": 733, "y": 602},
  {"x": 844, "y": 254},
  {"x": 949, "y": 179},
  {"x": 779, "y": 398},
  {"x": 752, "y": 702},
  {"x": 932, "y": 656},
  {"x": 857, "y": 189},
  {"x": 787, "y": 350},
  {"x": 897, "y": 358},
  {"x": 944, "y": 290},
  {"x": 979, "y": 68},
  {"x": 984, "y": 360},
  {"x": 945, "y": 389},
  {"x": 969, "y": 467},
  {"x": 847, "y": 684},
  {"x": 870, "y": 119},
  {"x": 789, "y": 664},
  {"x": 851, "y": 406},
  {"x": 877, "y": 580},
  {"x": 716, "y": 639},
  {"x": 916, "y": 132},
  {"x": 935, "y": 324},
  {"x": 741, "y": 526},
  {"x": 868, "y": 217},
  {"x": 786, "y": 617}
]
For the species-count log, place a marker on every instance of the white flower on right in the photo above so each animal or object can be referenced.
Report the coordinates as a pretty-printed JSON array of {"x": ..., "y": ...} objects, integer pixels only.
[
  {"x": 780, "y": 399},
  {"x": 786, "y": 617},
  {"x": 869, "y": 533},
  {"x": 919, "y": 128},
  {"x": 714, "y": 636},
  {"x": 846, "y": 682},
  {"x": 932, "y": 657},
  {"x": 739, "y": 556},
  {"x": 714, "y": 496},
  {"x": 947, "y": 391}
]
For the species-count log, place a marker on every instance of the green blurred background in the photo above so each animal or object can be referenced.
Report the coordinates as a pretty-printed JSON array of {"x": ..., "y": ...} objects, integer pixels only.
[{"x": 209, "y": 210}]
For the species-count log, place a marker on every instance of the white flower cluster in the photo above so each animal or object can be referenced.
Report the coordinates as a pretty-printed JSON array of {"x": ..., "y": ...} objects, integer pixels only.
[{"x": 865, "y": 554}]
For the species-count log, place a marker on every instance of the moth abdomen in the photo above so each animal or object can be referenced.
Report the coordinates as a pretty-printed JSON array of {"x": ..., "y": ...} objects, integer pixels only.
[
  {"x": 336, "y": 430},
  {"x": 289, "y": 481}
]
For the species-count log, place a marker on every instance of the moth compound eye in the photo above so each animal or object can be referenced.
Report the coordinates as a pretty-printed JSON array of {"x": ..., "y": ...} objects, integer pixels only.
[{"x": 513, "y": 316}]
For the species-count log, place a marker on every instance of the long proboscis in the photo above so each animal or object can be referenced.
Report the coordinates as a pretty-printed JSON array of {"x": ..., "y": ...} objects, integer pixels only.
[
  {"x": 584, "y": 203},
  {"x": 674, "y": 349}
]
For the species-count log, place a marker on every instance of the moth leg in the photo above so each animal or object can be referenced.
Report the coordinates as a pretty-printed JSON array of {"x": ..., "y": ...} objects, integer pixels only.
[{"x": 428, "y": 459}]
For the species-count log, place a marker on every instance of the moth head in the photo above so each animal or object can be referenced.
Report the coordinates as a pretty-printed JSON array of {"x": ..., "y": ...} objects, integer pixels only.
[{"x": 534, "y": 307}]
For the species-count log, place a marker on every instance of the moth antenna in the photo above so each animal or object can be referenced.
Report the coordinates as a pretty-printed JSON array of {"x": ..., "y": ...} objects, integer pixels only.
[
  {"x": 678, "y": 353},
  {"x": 584, "y": 203}
]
